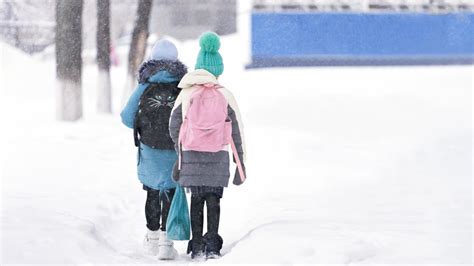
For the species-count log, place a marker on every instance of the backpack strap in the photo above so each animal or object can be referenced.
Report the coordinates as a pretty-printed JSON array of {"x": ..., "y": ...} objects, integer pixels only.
[
  {"x": 237, "y": 159},
  {"x": 136, "y": 135},
  {"x": 136, "y": 138}
]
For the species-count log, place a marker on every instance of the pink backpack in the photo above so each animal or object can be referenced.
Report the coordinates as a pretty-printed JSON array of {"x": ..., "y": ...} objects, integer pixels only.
[{"x": 207, "y": 126}]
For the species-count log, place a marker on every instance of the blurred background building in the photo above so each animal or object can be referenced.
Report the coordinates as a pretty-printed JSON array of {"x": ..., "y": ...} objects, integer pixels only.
[
  {"x": 187, "y": 19},
  {"x": 361, "y": 32},
  {"x": 364, "y": 5},
  {"x": 29, "y": 24},
  {"x": 283, "y": 32}
]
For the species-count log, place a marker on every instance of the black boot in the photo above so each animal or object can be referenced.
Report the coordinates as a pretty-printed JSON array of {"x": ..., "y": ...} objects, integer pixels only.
[
  {"x": 213, "y": 245},
  {"x": 196, "y": 248}
]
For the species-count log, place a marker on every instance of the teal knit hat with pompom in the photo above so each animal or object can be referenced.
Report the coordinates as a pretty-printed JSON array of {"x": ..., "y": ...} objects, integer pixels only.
[{"x": 209, "y": 57}]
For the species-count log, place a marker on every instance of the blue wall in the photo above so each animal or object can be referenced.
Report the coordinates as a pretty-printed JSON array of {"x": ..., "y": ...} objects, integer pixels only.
[{"x": 361, "y": 38}]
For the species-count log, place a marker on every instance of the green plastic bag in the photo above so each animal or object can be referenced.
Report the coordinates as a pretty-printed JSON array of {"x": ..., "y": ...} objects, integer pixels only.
[{"x": 178, "y": 225}]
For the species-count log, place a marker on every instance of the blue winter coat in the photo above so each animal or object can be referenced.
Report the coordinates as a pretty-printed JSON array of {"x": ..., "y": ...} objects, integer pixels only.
[{"x": 155, "y": 166}]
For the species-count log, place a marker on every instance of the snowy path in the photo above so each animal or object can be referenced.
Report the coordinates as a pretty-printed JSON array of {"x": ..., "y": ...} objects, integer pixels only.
[{"x": 346, "y": 165}]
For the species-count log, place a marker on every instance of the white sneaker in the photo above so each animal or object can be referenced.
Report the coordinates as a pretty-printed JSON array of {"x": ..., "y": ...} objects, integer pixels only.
[
  {"x": 166, "y": 249},
  {"x": 151, "y": 242}
]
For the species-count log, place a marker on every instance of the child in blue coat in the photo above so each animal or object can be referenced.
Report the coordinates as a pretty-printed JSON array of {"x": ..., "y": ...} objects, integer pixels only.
[{"x": 147, "y": 112}]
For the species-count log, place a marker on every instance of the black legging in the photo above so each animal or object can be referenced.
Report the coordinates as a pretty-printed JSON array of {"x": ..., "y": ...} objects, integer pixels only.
[
  {"x": 154, "y": 208},
  {"x": 197, "y": 215}
]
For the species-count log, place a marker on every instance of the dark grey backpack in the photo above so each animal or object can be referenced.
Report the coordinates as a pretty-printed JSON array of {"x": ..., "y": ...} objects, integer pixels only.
[{"x": 151, "y": 125}]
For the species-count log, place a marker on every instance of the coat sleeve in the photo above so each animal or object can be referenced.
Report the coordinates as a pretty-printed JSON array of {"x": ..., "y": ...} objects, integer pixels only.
[
  {"x": 130, "y": 110},
  {"x": 176, "y": 120},
  {"x": 237, "y": 125},
  {"x": 237, "y": 135}
]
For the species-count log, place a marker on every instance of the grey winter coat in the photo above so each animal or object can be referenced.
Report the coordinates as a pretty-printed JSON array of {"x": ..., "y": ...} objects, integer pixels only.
[{"x": 206, "y": 168}]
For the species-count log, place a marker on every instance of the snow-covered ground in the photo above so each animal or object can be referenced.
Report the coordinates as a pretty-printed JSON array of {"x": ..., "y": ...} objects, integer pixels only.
[{"x": 345, "y": 165}]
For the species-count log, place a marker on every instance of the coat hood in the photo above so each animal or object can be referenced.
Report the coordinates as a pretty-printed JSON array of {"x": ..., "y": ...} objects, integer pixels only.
[
  {"x": 199, "y": 76},
  {"x": 149, "y": 68}
]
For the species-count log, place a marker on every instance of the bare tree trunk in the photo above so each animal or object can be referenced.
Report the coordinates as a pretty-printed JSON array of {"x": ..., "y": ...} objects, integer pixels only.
[
  {"x": 104, "y": 99},
  {"x": 11, "y": 8},
  {"x": 138, "y": 44},
  {"x": 69, "y": 59}
]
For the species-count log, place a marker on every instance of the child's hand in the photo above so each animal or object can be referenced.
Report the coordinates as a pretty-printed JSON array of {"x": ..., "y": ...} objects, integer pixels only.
[{"x": 237, "y": 180}]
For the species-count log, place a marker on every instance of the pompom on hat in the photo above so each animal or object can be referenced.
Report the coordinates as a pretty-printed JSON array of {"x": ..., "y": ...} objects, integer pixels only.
[
  {"x": 164, "y": 49},
  {"x": 209, "y": 58}
]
